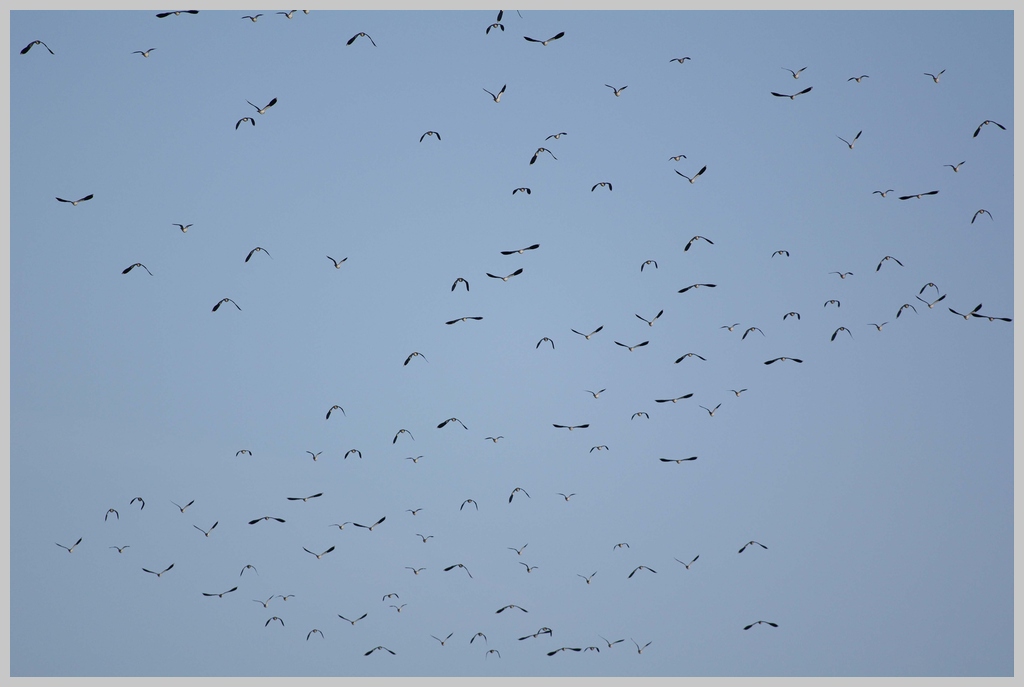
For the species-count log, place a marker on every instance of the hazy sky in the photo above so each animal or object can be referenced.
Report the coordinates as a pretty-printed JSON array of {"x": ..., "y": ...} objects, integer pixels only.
[{"x": 878, "y": 472}]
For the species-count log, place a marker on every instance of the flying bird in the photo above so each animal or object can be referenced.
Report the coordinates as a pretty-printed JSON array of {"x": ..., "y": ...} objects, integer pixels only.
[
  {"x": 585, "y": 577},
  {"x": 990, "y": 318},
  {"x": 611, "y": 644},
  {"x": 711, "y": 411},
  {"x": 877, "y": 326},
  {"x": 737, "y": 392},
  {"x": 510, "y": 607},
  {"x": 827, "y": 303},
  {"x": 314, "y": 455},
  {"x": 694, "y": 177},
  {"x": 207, "y": 532},
  {"x": 751, "y": 329},
  {"x": 183, "y": 227},
  {"x": 672, "y": 400},
  {"x": 642, "y": 343},
  {"x": 553, "y": 38},
  {"x": 496, "y": 98},
  {"x": 398, "y": 609},
  {"x": 258, "y": 249},
  {"x": 249, "y": 567},
  {"x": 176, "y": 13},
  {"x": 430, "y": 133},
  {"x": 370, "y": 527},
  {"x": 904, "y": 307},
  {"x": 519, "y": 551},
  {"x": 639, "y": 649},
  {"x": 650, "y": 323},
  {"x": 252, "y": 18},
  {"x": 687, "y": 565},
  {"x": 413, "y": 511},
  {"x": 522, "y": 189},
  {"x": 640, "y": 567},
  {"x": 515, "y": 491},
  {"x": 251, "y": 120},
  {"x": 556, "y": 136},
  {"x": 696, "y": 238},
  {"x": 72, "y": 547},
  {"x": 982, "y": 212},
  {"x": 850, "y": 143},
  {"x": 956, "y": 167},
  {"x": 987, "y": 121},
  {"x": 478, "y": 634},
  {"x": 639, "y": 414},
  {"x": 843, "y": 275},
  {"x": 883, "y": 193},
  {"x": 144, "y": 53},
  {"x": 775, "y": 360},
  {"x": 753, "y": 542},
  {"x": 564, "y": 648},
  {"x": 796, "y": 74},
  {"x": 337, "y": 263},
  {"x": 120, "y": 549},
  {"x": 139, "y": 499},
  {"x": 648, "y": 262},
  {"x": 918, "y": 195},
  {"x": 340, "y": 526},
  {"x": 595, "y": 394},
  {"x": 288, "y": 15},
  {"x": 128, "y": 269},
  {"x": 687, "y": 355},
  {"x": 265, "y": 517},
  {"x": 572, "y": 427},
  {"x": 318, "y": 555},
  {"x": 270, "y": 620},
  {"x": 539, "y": 151},
  {"x": 841, "y": 329},
  {"x": 221, "y": 595},
  {"x": 80, "y": 200},
  {"x": 887, "y": 257},
  {"x": 759, "y": 622},
  {"x": 968, "y": 315},
  {"x": 620, "y": 545},
  {"x": 403, "y": 431},
  {"x": 159, "y": 574},
  {"x": 379, "y": 647},
  {"x": 858, "y": 78},
  {"x": 459, "y": 565},
  {"x": 355, "y": 451},
  {"x": 617, "y": 91},
  {"x": 456, "y": 283},
  {"x": 415, "y": 571},
  {"x": 506, "y": 278},
  {"x": 680, "y": 60},
  {"x": 783, "y": 95},
  {"x": 494, "y": 26},
  {"x": 695, "y": 286},
  {"x": 306, "y": 498},
  {"x": 569, "y": 496},
  {"x": 494, "y": 439},
  {"x": 266, "y": 107},
  {"x": 932, "y": 303},
  {"x": 353, "y": 39},
  {"x": 677, "y": 461},
  {"x": 587, "y": 336},
  {"x": 452, "y": 419},
  {"x": 529, "y": 568},
  {"x": 543, "y": 340},
  {"x": 182, "y": 508},
  {"x": 415, "y": 354},
  {"x": 520, "y": 251},
  {"x": 475, "y": 504},
  {"x": 445, "y": 639},
  {"x": 222, "y": 301},
  {"x": 601, "y": 184},
  {"x": 935, "y": 77},
  {"x": 353, "y": 621},
  {"x": 29, "y": 46}
]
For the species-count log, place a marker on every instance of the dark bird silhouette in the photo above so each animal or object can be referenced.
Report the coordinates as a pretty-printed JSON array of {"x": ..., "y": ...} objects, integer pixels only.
[
  {"x": 379, "y": 647},
  {"x": 182, "y": 508},
  {"x": 263, "y": 110},
  {"x": 459, "y": 565},
  {"x": 827, "y": 303},
  {"x": 183, "y": 227},
  {"x": 887, "y": 257},
  {"x": 506, "y": 278},
  {"x": 783, "y": 95},
  {"x": 141, "y": 502},
  {"x": 987, "y": 121},
  {"x": 565, "y": 648},
  {"x": 617, "y": 91},
  {"x": 543, "y": 340},
  {"x": 258, "y": 249},
  {"x": 759, "y": 622},
  {"x": 696, "y": 286},
  {"x": 352, "y": 621},
  {"x": 128, "y": 269},
  {"x": 991, "y": 318},
  {"x": 336, "y": 407},
  {"x": 775, "y": 360},
  {"x": 475, "y": 504},
  {"x": 883, "y": 193},
  {"x": 680, "y": 60},
  {"x": 144, "y": 53},
  {"x": 265, "y": 517},
  {"x": 72, "y": 547},
  {"x": 430, "y": 133},
  {"x": 877, "y": 326},
  {"x": 478, "y": 634},
  {"x": 510, "y": 607},
  {"x": 570, "y": 428},
  {"x": 648, "y": 262},
  {"x": 843, "y": 275},
  {"x": 642, "y": 343},
  {"x": 611, "y": 644},
  {"x": 711, "y": 411},
  {"x": 80, "y": 200},
  {"x": 252, "y": 18},
  {"x": 222, "y": 301},
  {"x": 751, "y": 329},
  {"x": 248, "y": 567},
  {"x": 494, "y": 439},
  {"x": 620, "y": 545},
  {"x": 306, "y": 498},
  {"x": 251, "y": 120},
  {"x": 496, "y": 98},
  {"x": 585, "y": 577},
  {"x": 207, "y": 532},
  {"x": 29, "y": 46},
  {"x": 982, "y": 212},
  {"x": 904, "y": 307},
  {"x": 596, "y": 394},
  {"x": 522, "y": 189},
  {"x": 355, "y": 451},
  {"x": 403, "y": 431},
  {"x": 519, "y": 551},
  {"x": 587, "y": 336},
  {"x": 796, "y": 74},
  {"x": 752, "y": 542},
  {"x": 956, "y": 167},
  {"x": 176, "y": 13},
  {"x": 858, "y": 78},
  {"x": 932, "y": 303},
  {"x": 120, "y": 549},
  {"x": 457, "y": 281},
  {"x": 687, "y": 355},
  {"x": 672, "y": 400},
  {"x": 640, "y": 567},
  {"x": 445, "y": 639},
  {"x": 556, "y": 136},
  {"x": 968, "y": 315},
  {"x": 520, "y": 251},
  {"x": 221, "y": 595},
  {"x": 288, "y": 15},
  {"x": 495, "y": 25},
  {"x": 463, "y": 319},
  {"x": 694, "y": 177},
  {"x": 553, "y": 38},
  {"x": 337, "y": 263},
  {"x": 364, "y": 35},
  {"x": 370, "y": 527},
  {"x": 677, "y": 461},
  {"x": 849, "y": 144},
  {"x": 601, "y": 184},
  {"x": 918, "y": 195},
  {"x": 159, "y": 574},
  {"x": 737, "y": 392},
  {"x": 640, "y": 649},
  {"x": 539, "y": 151},
  {"x": 687, "y": 565},
  {"x": 315, "y": 455},
  {"x": 452, "y": 419},
  {"x": 935, "y": 77},
  {"x": 515, "y": 491},
  {"x": 640, "y": 414},
  {"x": 841, "y": 329},
  {"x": 650, "y": 323},
  {"x": 696, "y": 238},
  {"x": 272, "y": 620},
  {"x": 314, "y": 629},
  {"x": 318, "y": 555}
]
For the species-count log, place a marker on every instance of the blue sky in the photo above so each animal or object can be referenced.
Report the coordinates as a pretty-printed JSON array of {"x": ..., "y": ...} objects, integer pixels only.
[{"x": 878, "y": 473}]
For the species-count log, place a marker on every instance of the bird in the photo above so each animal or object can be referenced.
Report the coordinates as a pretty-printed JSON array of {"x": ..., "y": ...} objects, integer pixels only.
[
  {"x": 565, "y": 648},
  {"x": 680, "y": 60},
  {"x": 569, "y": 496},
  {"x": 478, "y": 634},
  {"x": 556, "y": 136},
  {"x": 120, "y": 549},
  {"x": 730, "y": 327},
  {"x": 459, "y": 565},
  {"x": 672, "y": 400},
  {"x": 452, "y": 419},
  {"x": 935, "y": 77},
  {"x": 687, "y": 565},
  {"x": 570, "y": 428},
  {"x": 783, "y": 95},
  {"x": 529, "y": 568},
  {"x": 858, "y": 78},
  {"x": 475, "y": 504},
  {"x": 398, "y": 609},
  {"x": 648, "y": 262},
  {"x": 314, "y": 629},
  {"x": 340, "y": 526},
  {"x": 887, "y": 257},
  {"x": 796, "y": 74},
  {"x": 183, "y": 227},
  {"x": 696, "y": 286},
  {"x": 337, "y": 263},
  {"x": 144, "y": 53},
  {"x": 352, "y": 621},
  {"x": 248, "y": 567},
  {"x": 640, "y": 649},
  {"x": 883, "y": 193},
  {"x": 494, "y": 26},
  {"x": 841, "y": 329},
  {"x": 987, "y": 121},
  {"x": 587, "y": 578},
  {"x": 430, "y": 133},
  {"x": 370, "y": 527},
  {"x": 251, "y": 17},
  {"x": 318, "y": 555},
  {"x": 355, "y": 451},
  {"x": 587, "y": 336},
  {"x": 128, "y": 269},
  {"x": 270, "y": 620},
  {"x": 620, "y": 545},
  {"x": 611, "y": 644},
  {"x": 553, "y": 38},
  {"x": 222, "y": 301},
  {"x": 751, "y": 329},
  {"x": 520, "y": 251},
  {"x": 521, "y": 189},
  {"x": 617, "y": 91},
  {"x": 364, "y": 35},
  {"x": 688, "y": 355},
  {"x": 794, "y": 313},
  {"x": 403, "y": 431},
  {"x": 412, "y": 355},
  {"x": 415, "y": 571},
  {"x": 827, "y": 303},
  {"x": 80, "y": 200},
  {"x": 990, "y": 318},
  {"x": 753, "y": 542},
  {"x": 494, "y": 439},
  {"x": 595, "y": 394},
  {"x": 640, "y": 413},
  {"x": 264, "y": 109},
  {"x": 642, "y": 343},
  {"x": 29, "y": 46},
  {"x": 711, "y": 411},
  {"x": 159, "y": 574},
  {"x": 221, "y": 595},
  {"x": 265, "y": 603},
  {"x": 968, "y": 315},
  {"x": 519, "y": 551},
  {"x": 285, "y": 597},
  {"x": 265, "y": 517},
  {"x": 429, "y": 536},
  {"x": 306, "y": 498},
  {"x": 510, "y": 607},
  {"x": 980, "y": 212},
  {"x": 332, "y": 409},
  {"x": 463, "y": 319},
  {"x": 759, "y": 622},
  {"x": 601, "y": 184},
  {"x": 775, "y": 360},
  {"x": 251, "y": 120},
  {"x": 877, "y": 326},
  {"x": 72, "y": 547},
  {"x": 496, "y": 98},
  {"x": 379, "y": 647},
  {"x": 677, "y": 461},
  {"x": 843, "y": 275},
  {"x": 288, "y": 15},
  {"x": 543, "y": 340},
  {"x": 182, "y": 508},
  {"x": 515, "y": 491},
  {"x": 849, "y": 144},
  {"x": 456, "y": 283},
  {"x": 492, "y": 651},
  {"x": 695, "y": 238},
  {"x": 650, "y": 323},
  {"x": 176, "y": 13},
  {"x": 506, "y": 278},
  {"x": 904, "y": 307},
  {"x": 258, "y": 249},
  {"x": 445, "y": 639},
  {"x": 207, "y": 532},
  {"x": 956, "y": 167},
  {"x": 932, "y": 303},
  {"x": 694, "y": 177},
  {"x": 539, "y": 151},
  {"x": 640, "y": 567},
  {"x": 737, "y": 392},
  {"x": 918, "y": 195},
  {"x": 314, "y": 455}
]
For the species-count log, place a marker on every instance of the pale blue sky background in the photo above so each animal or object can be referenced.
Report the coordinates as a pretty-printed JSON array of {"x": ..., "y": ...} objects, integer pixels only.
[{"x": 878, "y": 473}]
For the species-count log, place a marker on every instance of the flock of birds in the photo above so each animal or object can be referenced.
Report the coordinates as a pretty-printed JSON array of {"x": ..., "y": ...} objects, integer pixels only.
[{"x": 697, "y": 242}]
